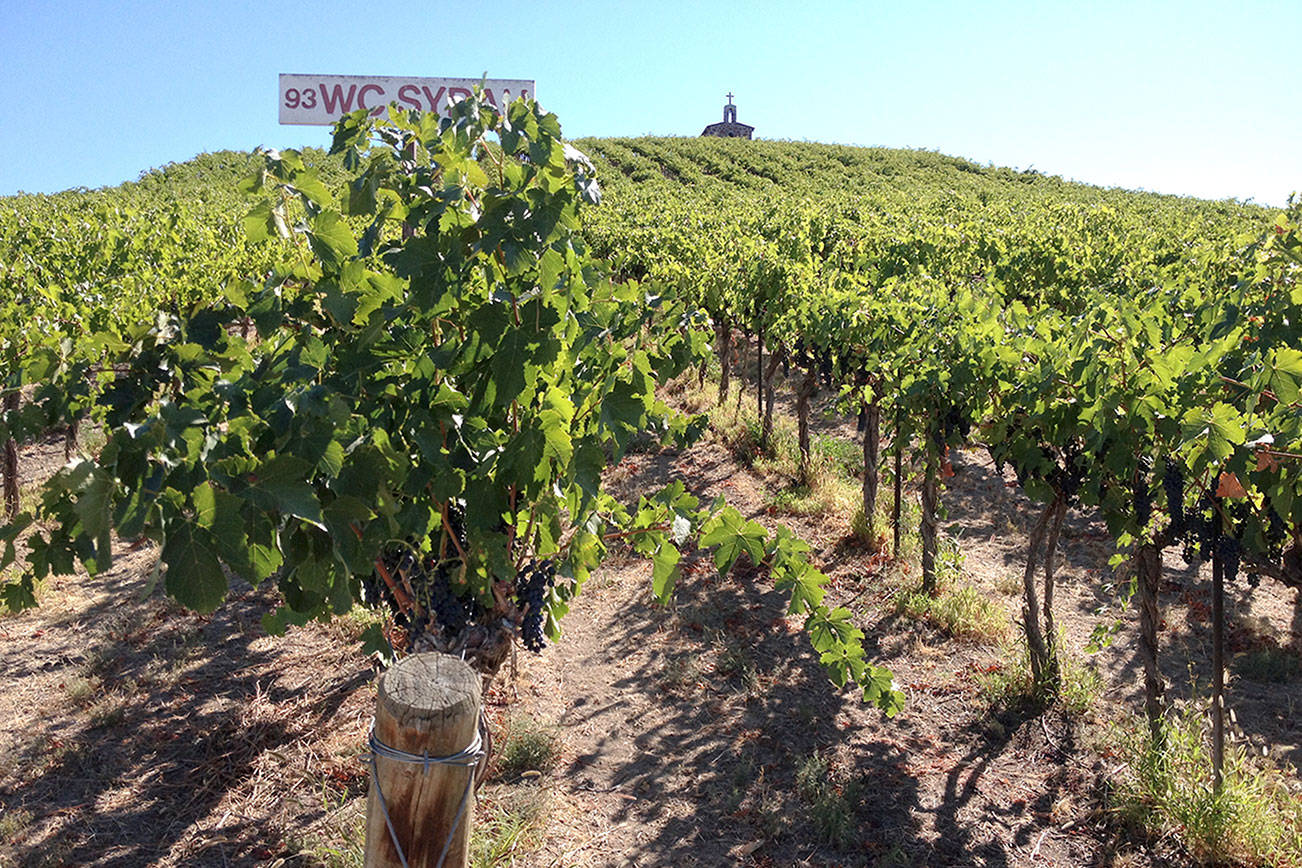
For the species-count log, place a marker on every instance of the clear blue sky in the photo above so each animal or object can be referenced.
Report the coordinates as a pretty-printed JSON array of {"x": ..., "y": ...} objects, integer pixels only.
[{"x": 1196, "y": 97}]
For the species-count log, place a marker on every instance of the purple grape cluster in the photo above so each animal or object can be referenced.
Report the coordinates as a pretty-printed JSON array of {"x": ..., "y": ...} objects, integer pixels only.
[
  {"x": 1229, "y": 552},
  {"x": 1173, "y": 482},
  {"x": 532, "y": 585},
  {"x": 1143, "y": 495}
]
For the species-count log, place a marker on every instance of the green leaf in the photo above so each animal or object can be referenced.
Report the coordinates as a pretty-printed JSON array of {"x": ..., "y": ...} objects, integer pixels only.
[
  {"x": 881, "y": 690},
  {"x": 521, "y": 462},
  {"x": 510, "y": 366},
  {"x": 194, "y": 574},
  {"x": 374, "y": 642},
  {"x": 312, "y": 189},
  {"x": 242, "y": 538},
  {"x": 258, "y": 224},
  {"x": 828, "y": 629},
  {"x": 18, "y": 595},
  {"x": 844, "y": 663},
  {"x": 806, "y": 586},
  {"x": 559, "y": 446},
  {"x": 281, "y": 484},
  {"x": 734, "y": 536},
  {"x": 1286, "y": 374},
  {"x": 665, "y": 572},
  {"x": 588, "y": 463},
  {"x": 93, "y": 504},
  {"x": 331, "y": 239}
]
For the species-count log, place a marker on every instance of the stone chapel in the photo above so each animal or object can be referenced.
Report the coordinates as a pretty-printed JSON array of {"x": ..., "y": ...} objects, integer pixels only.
[{"x": 729, "y": 128}]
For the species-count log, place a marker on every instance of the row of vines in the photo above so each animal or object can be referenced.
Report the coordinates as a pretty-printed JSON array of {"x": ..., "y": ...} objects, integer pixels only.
[
  {"x": 1134, "y": 356},
  {"x": 389, "y": 378},
  {"x": 394, "y": 376}
]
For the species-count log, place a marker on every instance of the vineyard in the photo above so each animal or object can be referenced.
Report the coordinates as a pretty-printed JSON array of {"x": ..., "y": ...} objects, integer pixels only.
[{"x": 795, "y": 501}]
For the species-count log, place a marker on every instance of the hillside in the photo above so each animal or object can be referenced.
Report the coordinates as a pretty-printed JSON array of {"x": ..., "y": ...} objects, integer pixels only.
[
  {"x": 811, "y": 168},
  {"x": 994, "y": 408}
]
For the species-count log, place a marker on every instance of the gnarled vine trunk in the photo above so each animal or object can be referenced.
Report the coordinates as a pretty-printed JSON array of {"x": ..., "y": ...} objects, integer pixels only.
[
  {"x": 11, "y": 461},
  {"x": 741, "y": 368},
  {"x": 1218, "y": 672},
  {"x": 723, "y": 336},
  {"x": 871, "y": 478},
  {"x": 766, "y": 430},
  {"x": 1036, "y": 646},
  {"x": 804, "y": 392},
  {"x": 70, "y": 439},
  {"x": 1052, "y": 670},
  {"x": 896, "y": 507}
]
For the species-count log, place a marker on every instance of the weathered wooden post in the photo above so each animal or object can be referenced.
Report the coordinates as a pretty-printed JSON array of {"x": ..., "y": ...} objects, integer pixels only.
[{"x": 424, "y": 749}]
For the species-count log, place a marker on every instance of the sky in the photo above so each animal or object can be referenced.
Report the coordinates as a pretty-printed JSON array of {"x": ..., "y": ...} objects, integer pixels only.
[{"x": 1192, "y": 98}]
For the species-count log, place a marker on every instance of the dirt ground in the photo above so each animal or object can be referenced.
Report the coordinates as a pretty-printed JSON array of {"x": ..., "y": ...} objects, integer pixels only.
[{"x": 705, "y": 733}]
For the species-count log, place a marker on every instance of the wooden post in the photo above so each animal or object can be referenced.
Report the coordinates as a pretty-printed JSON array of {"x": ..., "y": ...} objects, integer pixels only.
[
  {"x": 1218, "y": 671},
  {"x": 899, "y": 479},
  {"x": 428, "y": 704},
  {"x": 929, "y": 527},
  {"x": 1148, "y": 566}
]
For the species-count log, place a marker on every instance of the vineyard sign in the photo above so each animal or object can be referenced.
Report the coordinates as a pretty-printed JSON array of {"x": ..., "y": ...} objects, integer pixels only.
[{"x": 321, "y": 99}]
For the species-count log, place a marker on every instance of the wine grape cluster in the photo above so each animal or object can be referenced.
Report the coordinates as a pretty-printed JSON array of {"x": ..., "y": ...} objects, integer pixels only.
[
  {"x": 1202, "y": 528},
  {"x": 532, "y": 585},
  {"x": 442, "y": 609},
  {"x": 1143, "y": 495},
  {"x": 955, "y": 422},
  {"x": 1069, "y": 475},
  {"x": 1228, "y": 550},
  {"x": 825, "y": 370},
  {"x": 953, "y": 427},
  {"x": 1173, "y": 483}
]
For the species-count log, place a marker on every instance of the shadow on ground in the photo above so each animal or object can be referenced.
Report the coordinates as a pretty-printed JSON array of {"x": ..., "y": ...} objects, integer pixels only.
[{"x": 156, "y": 719}]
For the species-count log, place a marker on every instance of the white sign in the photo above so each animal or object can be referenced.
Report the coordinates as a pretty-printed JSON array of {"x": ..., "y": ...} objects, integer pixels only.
[{"x": 321, "y": 99}]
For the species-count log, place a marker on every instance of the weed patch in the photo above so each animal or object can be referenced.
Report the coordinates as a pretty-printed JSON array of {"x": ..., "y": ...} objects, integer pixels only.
[
  {"x": 1268, "y": 666},
  {"x": 734, "y": 661},
  {"x": 510, "y": 822},
  {"x": 1165, "y": 789},
  {"x": 530, "y": 746},
  {"x": 831, "y": 804},
  {"x": 956, "y": 608},
  {"x": 1011, "y": 686}
]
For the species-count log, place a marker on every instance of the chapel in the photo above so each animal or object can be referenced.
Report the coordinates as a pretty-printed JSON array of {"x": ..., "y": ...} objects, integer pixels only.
[{"x": 729, "y": 128}]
